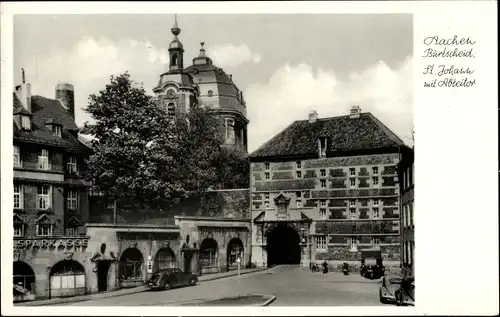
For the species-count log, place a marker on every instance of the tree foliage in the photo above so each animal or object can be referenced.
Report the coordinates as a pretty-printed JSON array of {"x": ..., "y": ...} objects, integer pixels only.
[{"x": 142, "y": 154}]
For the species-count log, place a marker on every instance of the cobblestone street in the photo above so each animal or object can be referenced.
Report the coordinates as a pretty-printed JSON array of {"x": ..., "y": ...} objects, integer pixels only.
[{"x": 292, "y": 286}]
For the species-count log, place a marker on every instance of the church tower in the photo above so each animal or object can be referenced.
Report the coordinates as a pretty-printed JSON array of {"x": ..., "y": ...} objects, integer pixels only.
[
  {"x": 176, "y": 91},
  {"x": 176, "y": 50}
]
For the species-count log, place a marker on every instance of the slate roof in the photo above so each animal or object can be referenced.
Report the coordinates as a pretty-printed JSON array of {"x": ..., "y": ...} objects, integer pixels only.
[
  {"x": 43, "y": 111},
  {"x": 344, "y": 134}
]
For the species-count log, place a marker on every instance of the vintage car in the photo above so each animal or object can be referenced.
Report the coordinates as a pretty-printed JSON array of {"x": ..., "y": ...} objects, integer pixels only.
[
  {"x": 388, "y": 288},
  {"x": 405, "y": 294},
  {"x": 168, "y": 278},
  {"x": 371, "y": 264}
]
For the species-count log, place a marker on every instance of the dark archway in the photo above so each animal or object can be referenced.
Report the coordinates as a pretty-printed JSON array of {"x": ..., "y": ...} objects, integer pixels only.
[
  {"x": 234, "y": 251},
  {"x": 102, "y": 275},
  {"x": 131, "y": 263},
  {"x": 67, "y": 278},
  {"x": 164, "y": 259},
  {"x": 209, "y": 254},
  {"x": 283, "y": 246},
  {"x": 24, "y": 278}
]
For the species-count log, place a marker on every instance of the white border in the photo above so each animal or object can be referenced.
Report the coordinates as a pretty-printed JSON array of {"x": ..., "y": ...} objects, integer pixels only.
[{"x": 456, "y": 138}]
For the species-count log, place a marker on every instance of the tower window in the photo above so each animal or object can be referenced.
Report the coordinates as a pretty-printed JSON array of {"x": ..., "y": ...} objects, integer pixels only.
[
  {"x": 210, "y": 93},
  {"x": 174, "y": 60},
  {"x": 171, "y": 109}
]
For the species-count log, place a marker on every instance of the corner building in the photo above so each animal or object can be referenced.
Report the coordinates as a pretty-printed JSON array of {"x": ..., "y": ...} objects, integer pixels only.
[
  {"x": 51, "y": 204},
  {"x": 325, "y": 189}
]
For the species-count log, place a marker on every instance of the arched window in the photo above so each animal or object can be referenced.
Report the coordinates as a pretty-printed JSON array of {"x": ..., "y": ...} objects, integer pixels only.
[
  {"x": 209, "y": 252},
  {"x": 131, "y": 264},
  {"x": 234, "y": 251},
  {"x": 174, "y": 60},
  {"x": 24, "y": 278},
  {"x": 171, "y": 109},
  {"x": 210, "y": 93},
  {"x": 165, "y": 258},
  {"x": 67, "y": 278}
]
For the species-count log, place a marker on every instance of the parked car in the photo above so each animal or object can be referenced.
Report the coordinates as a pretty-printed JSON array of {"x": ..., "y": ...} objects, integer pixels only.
[
  {"x": 388, "y": 288},
  {"x": 168, "y": 278},
  {"x": 405, "y": 294},
  {"x": 371, "y": 264}
]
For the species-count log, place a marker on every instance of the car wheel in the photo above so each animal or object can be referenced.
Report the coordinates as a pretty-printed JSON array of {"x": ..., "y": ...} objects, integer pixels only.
[
  {"x": 192, "y": 282},
  {"x": 167, "y": 286}
]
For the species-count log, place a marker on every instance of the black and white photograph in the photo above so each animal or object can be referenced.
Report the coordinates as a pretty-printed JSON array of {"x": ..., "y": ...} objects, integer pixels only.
[
  {"x": 223, "y": 160},
  {"x": 184, "y": 160}
]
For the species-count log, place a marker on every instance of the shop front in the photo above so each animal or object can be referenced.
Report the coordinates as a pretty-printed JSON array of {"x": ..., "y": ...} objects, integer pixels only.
[
  {"x": 49, "y": 267},
  {"x": 126, "y": 255}
]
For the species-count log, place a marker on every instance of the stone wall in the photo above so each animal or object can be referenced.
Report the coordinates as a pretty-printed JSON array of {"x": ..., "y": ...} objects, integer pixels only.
[{"x": 218, "y": 204}]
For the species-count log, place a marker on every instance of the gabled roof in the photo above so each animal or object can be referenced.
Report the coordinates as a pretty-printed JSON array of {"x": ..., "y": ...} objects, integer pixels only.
[
  {"x": 44, "y": 219},
  {"x": 74, "y": 221},
  {"x": 344, "y": 134},
  {"x": 43, "y": 111}
]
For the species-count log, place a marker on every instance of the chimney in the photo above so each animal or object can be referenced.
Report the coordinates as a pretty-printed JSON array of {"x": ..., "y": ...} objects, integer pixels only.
[
  {"x": 355, "y": 112},
  {"x": 313, "y": 116},
  {"x": 23, "y": 92},
  {"x": 65, "y": 93}
]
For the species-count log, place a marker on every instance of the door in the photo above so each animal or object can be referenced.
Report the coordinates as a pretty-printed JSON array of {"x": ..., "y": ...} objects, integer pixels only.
[{"x": 102, "y": 275}]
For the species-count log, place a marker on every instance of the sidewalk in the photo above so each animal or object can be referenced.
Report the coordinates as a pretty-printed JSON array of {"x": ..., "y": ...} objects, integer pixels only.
[{"x": 127, "y": 291}]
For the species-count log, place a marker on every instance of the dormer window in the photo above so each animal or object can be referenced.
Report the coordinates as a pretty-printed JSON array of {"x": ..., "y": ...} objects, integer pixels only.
[
  {"x": 26, "y": 122},
  {"x": 322, "y": 143},
  {"x": 57, "y": 130}
]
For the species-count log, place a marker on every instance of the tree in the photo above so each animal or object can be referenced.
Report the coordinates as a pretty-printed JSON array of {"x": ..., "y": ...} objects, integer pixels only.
[
  {"x": 143, "y": 154},
  {"x": 233, "y": 168}
]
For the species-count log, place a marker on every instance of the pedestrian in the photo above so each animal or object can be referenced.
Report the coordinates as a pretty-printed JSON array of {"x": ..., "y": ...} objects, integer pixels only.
[{"x": 325, "y": 267}]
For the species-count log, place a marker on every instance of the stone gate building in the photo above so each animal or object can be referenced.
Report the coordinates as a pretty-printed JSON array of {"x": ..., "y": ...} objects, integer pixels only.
[{"x": 324, "y": 189}]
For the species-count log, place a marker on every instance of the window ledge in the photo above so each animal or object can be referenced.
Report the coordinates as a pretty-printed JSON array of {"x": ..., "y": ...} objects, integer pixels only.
[{"x": 19, "y": 210}]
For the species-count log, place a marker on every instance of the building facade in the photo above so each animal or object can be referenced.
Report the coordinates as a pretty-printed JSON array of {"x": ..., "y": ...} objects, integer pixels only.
[
  {"x": 50, "y": 196},
  {"x": 202, "y": 84},
  {"x": 406, "y": 171},
  {"x": 204, "y": 234},
  {"x": 325, "y": 189}
]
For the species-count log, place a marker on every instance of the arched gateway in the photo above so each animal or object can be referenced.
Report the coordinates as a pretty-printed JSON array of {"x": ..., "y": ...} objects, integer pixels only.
[{"x": 283, "y": 245}]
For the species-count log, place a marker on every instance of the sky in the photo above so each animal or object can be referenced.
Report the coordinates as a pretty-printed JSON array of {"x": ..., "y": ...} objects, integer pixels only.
[{"x": 286, "y": 64}]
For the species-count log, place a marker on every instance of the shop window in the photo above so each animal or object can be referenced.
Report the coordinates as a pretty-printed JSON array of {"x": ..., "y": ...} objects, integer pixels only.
[
  {"x": 209, "y": 253},
  {"x": 235, "y": 251},
  {"x": 67, "y": 278},
  {"x": 165, "y": 258},
  {"x": 131, "y": 263},
  {"x": 23, "y": 279}
]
